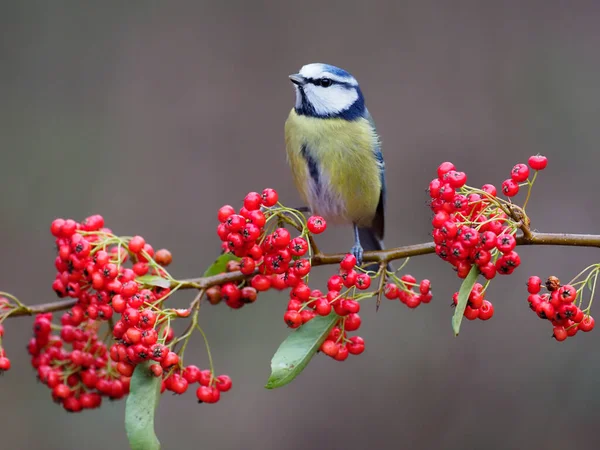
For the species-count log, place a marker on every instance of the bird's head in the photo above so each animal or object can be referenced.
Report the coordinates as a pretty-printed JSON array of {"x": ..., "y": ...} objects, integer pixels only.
[{"x": 326, "y": 91}]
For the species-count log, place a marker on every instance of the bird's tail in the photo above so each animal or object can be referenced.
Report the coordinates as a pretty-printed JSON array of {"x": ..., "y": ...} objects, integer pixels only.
[{"x": 370, "y": 241}]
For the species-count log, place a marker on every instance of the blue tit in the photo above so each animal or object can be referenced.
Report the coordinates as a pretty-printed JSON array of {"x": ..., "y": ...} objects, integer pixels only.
[{"x": 335, "y": 154}]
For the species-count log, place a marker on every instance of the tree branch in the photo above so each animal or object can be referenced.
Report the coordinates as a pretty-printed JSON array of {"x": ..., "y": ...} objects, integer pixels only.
[{"x": 320, "y": 259}]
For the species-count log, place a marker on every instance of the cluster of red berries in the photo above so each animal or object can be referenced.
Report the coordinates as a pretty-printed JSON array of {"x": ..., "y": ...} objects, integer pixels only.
[
  {"x": 520, "y": 174},
  {"x": 92, "y": 267},
  {"x": 477, "y": 306},
  {"x": 405, "y": 293},
  {"x": 74, "y": 363},
  {"x": 210, "y": 387},
  {"x": 470, "y": 227},
  {"x": 276, "y": 258},
  {"x": 558, "y": 306}
]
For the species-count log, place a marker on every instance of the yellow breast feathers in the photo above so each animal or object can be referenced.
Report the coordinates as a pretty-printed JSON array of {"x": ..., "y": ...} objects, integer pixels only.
[{"x": 334, "y": 166}]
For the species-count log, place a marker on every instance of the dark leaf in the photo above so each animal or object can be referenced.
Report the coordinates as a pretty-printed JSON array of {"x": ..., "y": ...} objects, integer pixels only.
[
  {"x": 463, "y": 297},
  {"x": 140, "y": 407},
  {"x": 296, "y": 351}
]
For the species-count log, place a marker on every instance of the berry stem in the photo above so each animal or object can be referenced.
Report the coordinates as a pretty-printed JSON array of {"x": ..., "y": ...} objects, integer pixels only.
[
  {"x": 530, "y": 183},
  {"x": 210, "y": 360}
]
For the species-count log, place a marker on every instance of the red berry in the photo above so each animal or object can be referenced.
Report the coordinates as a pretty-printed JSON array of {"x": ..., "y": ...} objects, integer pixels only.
[
  {"x": 293, "y": 319},
  {"x": 391, "y": 291},
  {"x": 440, "y": 219},
  {"x": 489, "y": 189},
  {"x": 534, "y": 285},
  {"x": 349, "y": 278},
  {"x": 316, "y": 224},
  {"x": 587, "y": 324},
  {"x": 223, "y": 383},
  {"x": 323, "y": 307},
  {"x": 352, "y": 322},
  {"x": 252, "y": 201},
  {"x": 352, "y": 306},
  {"x": 335, "y": 283},
  {"x": 225, "y": 212},
  {"x": 456, "y": 179},
  {"x": 136, "y": 244},
  {"x": 510, "y": 187},
  {"x": 302, "y": 267},
  {"x": 506, "y": 243},
  {"x": 269, "y": 197},
  {"x": 559, "y": 333},
  {"x": 4, "y": 364},
  {"x": 567, "y": 293},
  {"x": 444, "y": 168},
  {"x": 169, "y": 360},
  {"x": 363, "y": 281},
  {"x": 538, "y": 162},
  {"x": 298, "y": 246},
  {"x": 486, "y": 311},
  {"x": 488, "y": 271},
  {"x": 61, "y": 391},
  {"x": 330, "y": 348},
  {"x": 281, "y": 238},
  {"x": 449, "y": 229},
  {"x": 260, "y": 282},
  {"x": 235, "y": 223},
  {"x": 545, "y": 310},
  {"x": 163, "y": 257},
  {"x": 247, "y": 265},
  {"x": 342, "y": 353},
  {"x": 434, "y": 188},
  {"x": 301, "y": 292},
  {"x": 205, "y": 394},
  {"x": 471, "y": 313},
  {"x": 356, "y": 345},
  {"x": 56, "y": 226},
  {"x": 348, "y": 262},
  {"x": 519, "y": 173}
]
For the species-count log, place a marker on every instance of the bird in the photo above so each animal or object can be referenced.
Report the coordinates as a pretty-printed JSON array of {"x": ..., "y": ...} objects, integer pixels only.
[{"x": 334, "y": 152}]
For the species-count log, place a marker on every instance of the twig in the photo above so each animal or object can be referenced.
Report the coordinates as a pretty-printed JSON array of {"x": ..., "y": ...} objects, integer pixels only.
[{"x": 320, "y": 259}]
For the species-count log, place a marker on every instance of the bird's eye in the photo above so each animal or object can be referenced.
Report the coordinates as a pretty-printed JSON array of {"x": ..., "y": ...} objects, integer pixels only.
[{"x": 325, "y": 82}]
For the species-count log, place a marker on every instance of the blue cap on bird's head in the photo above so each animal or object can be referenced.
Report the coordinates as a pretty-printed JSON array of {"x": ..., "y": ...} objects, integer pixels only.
[{"x": 326, "y": 91}]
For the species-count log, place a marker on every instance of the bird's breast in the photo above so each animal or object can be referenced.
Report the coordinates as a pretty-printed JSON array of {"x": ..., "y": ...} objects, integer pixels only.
[{"x": 334, "y": 166}]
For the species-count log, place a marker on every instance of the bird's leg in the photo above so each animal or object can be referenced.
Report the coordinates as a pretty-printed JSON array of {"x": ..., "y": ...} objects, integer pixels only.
[
  {"x": 303, "y": 209},
  {"x": 357, "y": 249}
]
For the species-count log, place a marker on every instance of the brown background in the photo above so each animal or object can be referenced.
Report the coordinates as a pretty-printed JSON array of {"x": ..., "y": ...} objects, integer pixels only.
[{"x": 155, "y": 115}]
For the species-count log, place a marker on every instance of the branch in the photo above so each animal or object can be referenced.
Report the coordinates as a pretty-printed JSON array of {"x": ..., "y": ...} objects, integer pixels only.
[{"x": 321, "y": 259}]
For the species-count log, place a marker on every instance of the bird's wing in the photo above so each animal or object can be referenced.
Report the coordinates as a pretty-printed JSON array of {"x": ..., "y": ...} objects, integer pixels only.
[{"x": 379, "y": 220}]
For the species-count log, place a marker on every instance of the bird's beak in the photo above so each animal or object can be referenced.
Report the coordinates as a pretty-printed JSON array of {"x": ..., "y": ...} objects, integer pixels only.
[{"x": 298, "y": 79}]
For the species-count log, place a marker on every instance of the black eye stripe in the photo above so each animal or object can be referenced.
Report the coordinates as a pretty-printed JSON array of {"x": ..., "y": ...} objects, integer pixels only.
[{"x": 326, "y": 82}]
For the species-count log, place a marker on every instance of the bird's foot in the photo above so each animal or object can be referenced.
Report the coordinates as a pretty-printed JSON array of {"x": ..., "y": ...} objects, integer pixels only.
[{"x": 357, "y": 251}]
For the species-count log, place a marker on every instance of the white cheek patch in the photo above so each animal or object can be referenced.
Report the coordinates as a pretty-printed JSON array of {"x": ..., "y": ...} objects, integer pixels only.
[{"x": 329, "y": 100}]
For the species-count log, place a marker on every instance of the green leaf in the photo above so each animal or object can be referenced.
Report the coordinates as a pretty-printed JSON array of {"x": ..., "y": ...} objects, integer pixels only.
[
  {"x": 140, "y": 407},
  {"x": 153, "y": 280},
  {"x": 296, "y": 351},
  {"x": 220, "y": 264},
  {"x": 463, "y": 297}
]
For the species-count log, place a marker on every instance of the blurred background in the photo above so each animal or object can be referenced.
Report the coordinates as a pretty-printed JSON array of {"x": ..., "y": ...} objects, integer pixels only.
[{"x": 155, "y": 115}]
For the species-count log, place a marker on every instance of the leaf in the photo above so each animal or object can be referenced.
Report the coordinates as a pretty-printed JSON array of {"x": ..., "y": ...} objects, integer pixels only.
[
  {"x": 296, "y": 351},
  {"x": 220, "y": 264},
  {"x": 154, "y": 280},
  {"x": 140, "y": 407},
  {"x": 463, "y": 297}
]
